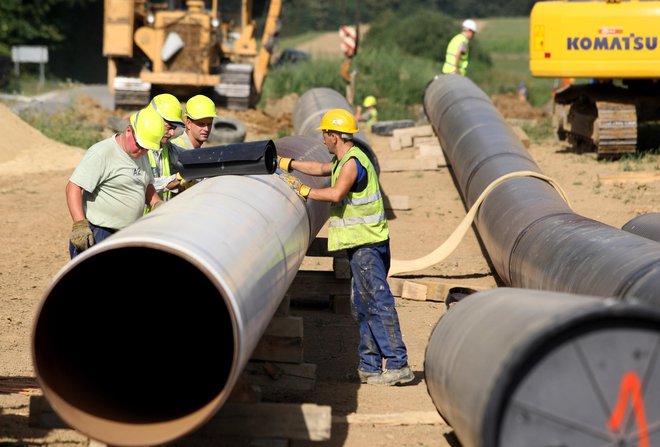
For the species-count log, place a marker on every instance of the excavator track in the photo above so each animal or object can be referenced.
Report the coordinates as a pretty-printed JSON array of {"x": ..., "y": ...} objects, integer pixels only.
[{"x": 590, "y": 118}]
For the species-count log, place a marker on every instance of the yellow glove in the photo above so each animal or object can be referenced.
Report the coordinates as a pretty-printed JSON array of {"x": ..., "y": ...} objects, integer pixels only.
[
  {"x": 294, "y": 183},
  {"x": 81, "y": 235},
  {"x": 284, "y": 163},
  {"x": 183, "y": 183}
]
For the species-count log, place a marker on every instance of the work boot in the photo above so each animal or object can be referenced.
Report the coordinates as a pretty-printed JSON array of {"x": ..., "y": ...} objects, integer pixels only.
[
  {"x": 364, "y": 375},
  {"x": 391, "y": 377}
]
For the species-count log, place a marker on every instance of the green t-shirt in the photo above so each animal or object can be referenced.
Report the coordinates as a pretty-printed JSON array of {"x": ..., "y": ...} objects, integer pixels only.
[{"x": 113, "y": 183}]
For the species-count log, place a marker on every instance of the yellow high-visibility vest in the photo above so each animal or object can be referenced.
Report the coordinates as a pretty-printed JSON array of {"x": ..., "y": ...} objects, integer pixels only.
[
  {"x": 453, "y": 48},
  {"x": 359, "y": 219}
]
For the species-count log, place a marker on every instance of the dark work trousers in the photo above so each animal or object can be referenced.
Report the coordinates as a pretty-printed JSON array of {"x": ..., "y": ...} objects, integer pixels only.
[
  {"x": 100, "y": 233},
  {"x": 373, "y": 308}
]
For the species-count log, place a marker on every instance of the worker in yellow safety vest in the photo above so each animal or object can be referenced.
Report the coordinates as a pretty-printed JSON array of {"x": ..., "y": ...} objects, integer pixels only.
[
  {"x": 358, "y": 225},
  {"x": 368, "y": 112},
  {"x": 200, "y": 111},
  {"x": 165, "y": 180},
  {"x": 199, "y": 114},
  {"x": 456, "y": 59}
]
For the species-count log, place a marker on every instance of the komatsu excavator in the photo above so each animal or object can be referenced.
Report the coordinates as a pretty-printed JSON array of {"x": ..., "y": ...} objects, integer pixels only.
[
  {"x": 186, "y": 46},
  {"x": 612, "y": 48}
]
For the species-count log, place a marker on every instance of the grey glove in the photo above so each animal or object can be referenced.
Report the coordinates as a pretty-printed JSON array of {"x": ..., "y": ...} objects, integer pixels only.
[{"x": 81, "y": 235}]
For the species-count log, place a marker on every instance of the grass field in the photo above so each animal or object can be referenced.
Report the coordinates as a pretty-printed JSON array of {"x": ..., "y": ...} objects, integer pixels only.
[{"x": 507, "y": 41}]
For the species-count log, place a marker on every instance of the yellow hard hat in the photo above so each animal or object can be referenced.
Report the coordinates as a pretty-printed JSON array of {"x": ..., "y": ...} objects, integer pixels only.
[
  {"x": 168, "y": 107},
  {"x": 339, "y": 120},
  {"x": 369, "y": 101},
  {"x": 148, "y": 128},
  {"x": 200, "y": 106}
]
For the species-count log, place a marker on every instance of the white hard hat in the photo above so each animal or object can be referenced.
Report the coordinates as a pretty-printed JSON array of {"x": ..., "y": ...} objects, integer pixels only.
[{"x": 470, "y": 24}]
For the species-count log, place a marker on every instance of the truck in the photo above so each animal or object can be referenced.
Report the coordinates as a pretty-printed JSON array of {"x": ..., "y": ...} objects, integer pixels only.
[
  {"x": 186, "y": 47},
  {"x": 608, "y": 51}
]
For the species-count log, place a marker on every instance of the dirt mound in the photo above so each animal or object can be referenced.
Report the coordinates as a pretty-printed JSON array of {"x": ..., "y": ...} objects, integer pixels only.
[
  {"x": 258, "y": 123},
  {"x": 511, "y": 107},
  {"x": 24, "y": 149}
]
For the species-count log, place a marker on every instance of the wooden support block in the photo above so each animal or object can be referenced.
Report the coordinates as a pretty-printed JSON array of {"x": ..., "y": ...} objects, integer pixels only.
[
  {"x": 273, "y": 375},
  {"x": 417, "y": 140},
  {"x": 315, "y": 284},
  {"x": 630, "y": 176},
  {"x": 342, "y": 268},
  {"x": 409, "y": 164},
  {"x": 319, "y": 248},
  {"x": 341, "y": 304},
  {"x": 307, "y": 422},
  {"x": 284, "y": 309},
  {"x": 42, "y": 414},
  {"x": 430, "y": 149},
  {"x": 426, "y": 290},
  {"x": 522, "y": 135},
  {"x": 244, "y": 392},
  {"x": 391, "y": 419},
  {"x": 395, "y": 144},
  {"x": 406, "y": 140},
  {"x": 282, "y": 341},
  {"x": 396, "y": 202},
  {"x": 419, "y": 131}
]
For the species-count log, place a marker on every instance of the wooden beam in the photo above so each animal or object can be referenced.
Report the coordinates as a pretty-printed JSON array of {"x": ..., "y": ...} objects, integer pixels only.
[
  {"x": 282, "y": 341},
  {"x": 307, "y": 422},
  {"x": 391, "y": 419},
  {"x": 314, "y": 284},
  {"x": 427, "y": 290},
  {"x": 396, "y": 202},
  {"x": 630, "y": 176}
]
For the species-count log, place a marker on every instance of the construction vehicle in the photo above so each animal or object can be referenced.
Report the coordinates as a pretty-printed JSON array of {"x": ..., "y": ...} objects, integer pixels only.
[
  {"x": 612, "y": 48},
  {"x": 186, "y": 47}
]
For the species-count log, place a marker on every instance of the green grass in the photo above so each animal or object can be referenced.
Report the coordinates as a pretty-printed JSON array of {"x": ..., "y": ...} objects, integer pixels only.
[
  {"x": 506, "y": 39},
  {"x": 509, "y": 35},
  {"x": 64, "y": 126}
]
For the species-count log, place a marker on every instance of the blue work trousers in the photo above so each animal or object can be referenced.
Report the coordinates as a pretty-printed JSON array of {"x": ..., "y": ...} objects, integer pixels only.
[
  {"x": 373, "y": 308},
  {"x": 100, "y": 233}
]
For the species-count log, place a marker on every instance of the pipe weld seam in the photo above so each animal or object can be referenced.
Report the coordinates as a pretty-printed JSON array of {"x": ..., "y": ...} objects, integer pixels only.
[
  {"x": 526, "y": 230},
  {"x": 632, "y": 280}
]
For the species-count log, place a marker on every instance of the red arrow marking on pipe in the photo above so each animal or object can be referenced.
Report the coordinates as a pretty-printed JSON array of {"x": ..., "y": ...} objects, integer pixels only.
[{"x": 630, "y": 389}]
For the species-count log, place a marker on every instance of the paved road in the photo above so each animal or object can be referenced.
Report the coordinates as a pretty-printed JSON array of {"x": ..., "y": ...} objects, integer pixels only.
[{"x": 57, "y": 99}]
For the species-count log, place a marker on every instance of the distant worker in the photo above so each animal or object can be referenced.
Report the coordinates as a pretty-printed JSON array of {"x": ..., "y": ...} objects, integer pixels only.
[
  {"x": 165, "y": 181},
  {"x": 370, "y": 115},
  {"x": 358, "y": 225},
  {"x": 200, "y": 111},
  {"x": 522, "y": 92},
  {"x": 113, "y": 182},
  {"x": 456, "y": 59}
]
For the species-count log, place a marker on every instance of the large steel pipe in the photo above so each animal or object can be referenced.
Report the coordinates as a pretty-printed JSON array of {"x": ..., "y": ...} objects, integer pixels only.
[
  {"x": 533, "y": 238},
  {"x": 141, "y": 339},
  {"x": 646, "y": 225},
  {"x": 311, "y": 107},
  {"x": 518, "y": 368}
]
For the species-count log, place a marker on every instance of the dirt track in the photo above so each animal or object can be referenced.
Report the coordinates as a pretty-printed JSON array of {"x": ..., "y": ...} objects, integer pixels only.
[
  {"x": 35, "y": 225},
  {"x": 33, "y": 241}
]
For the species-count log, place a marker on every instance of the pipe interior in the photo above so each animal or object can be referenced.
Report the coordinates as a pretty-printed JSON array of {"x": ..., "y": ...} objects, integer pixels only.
[{"x": 151, "y": 350}]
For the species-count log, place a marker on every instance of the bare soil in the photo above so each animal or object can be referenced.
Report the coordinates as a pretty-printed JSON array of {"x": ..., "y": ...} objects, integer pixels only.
[{"x": 33, "y": 247}]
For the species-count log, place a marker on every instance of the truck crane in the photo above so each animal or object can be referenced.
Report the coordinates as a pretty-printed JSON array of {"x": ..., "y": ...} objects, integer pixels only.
[{"x": 186, "y": 47}]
